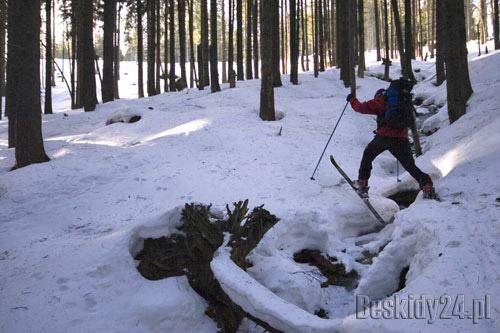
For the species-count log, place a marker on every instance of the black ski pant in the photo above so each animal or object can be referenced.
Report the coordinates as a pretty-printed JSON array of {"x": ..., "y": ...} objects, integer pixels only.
[{"x": 400, "y": 149}]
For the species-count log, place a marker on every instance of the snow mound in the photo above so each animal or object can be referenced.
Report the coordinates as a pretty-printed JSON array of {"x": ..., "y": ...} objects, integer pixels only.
[{"x": 123, "y": 116}]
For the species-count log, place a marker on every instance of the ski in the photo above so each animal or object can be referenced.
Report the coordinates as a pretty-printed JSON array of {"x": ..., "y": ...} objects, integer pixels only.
[{"x": 365, "y": 200}]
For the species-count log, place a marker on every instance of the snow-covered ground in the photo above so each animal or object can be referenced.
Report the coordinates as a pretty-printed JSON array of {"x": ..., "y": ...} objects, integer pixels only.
[{"x": 69, "y": 227}]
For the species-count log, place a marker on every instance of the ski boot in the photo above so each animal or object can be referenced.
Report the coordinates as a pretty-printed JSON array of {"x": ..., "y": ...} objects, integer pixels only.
[{"x": 362, "y": 187}]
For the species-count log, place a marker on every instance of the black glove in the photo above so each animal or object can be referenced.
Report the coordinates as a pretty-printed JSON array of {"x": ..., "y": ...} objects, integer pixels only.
[{"x": 349, "y": 97}]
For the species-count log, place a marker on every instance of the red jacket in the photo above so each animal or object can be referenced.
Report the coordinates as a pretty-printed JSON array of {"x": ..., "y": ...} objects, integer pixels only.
[{"x": 376, "y": 106}]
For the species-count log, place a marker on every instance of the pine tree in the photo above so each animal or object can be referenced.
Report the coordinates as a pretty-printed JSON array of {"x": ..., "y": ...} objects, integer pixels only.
[
  {"x": 248, "y": 59},
  {"x": 151, "y": 23},
  {"x": 496, "y": 23},
  {"x": 230, "y": 48},
  {"x": 387, "y": 59},
  {"x": 23, "y": 81},
  {"x": 404, "y": 56},
  {"x": 377, "y": 28},
  {"x": 268, "y": 29},
  {"x": 205, "y": 51},
  {"x": 458, "y": 84},
  {"x": 171, "y": 75},
  {"x": 239, "y": 41},
  {"x": 361, "y": 39},
  {"x": 107, "y": 88},
  {"x": 275, "y": 31},
  {"x": 214, "y": 61},
  {"x": 48, "y": 59},
  {"x": 181, "y": 7},
  {"x": 294, "y": 43},
  {"x": 440, "y": 42},
  {"x": 140, "y": 51},
  {"x": 86, "y": 56},
  {"x": 255, "y": 35}
]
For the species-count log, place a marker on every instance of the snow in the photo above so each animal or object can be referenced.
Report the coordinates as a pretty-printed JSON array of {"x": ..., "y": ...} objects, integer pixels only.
[{"x": 69, "y": 228}]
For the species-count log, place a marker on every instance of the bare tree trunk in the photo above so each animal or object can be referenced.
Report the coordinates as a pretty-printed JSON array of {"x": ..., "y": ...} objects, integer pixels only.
[
  {"x": 140, "y": 51},
  {"x": 440, "y": 42},
  {"x": 268, "y": 27},
  {"x": 158, "y": 48},
  {"x": 483, "y": 21},
  {"x": 294, "y": 43},
  {"x": 377, "y": 28},
  {"x": 214, "y": 71},
  {"x": 151, "y": 10},
  {"x": 3, "y": 26},
  {"x": 248, "y": 59},
  {"x": 306, "y": 33},
  {"x": 181, "y": 8},
  {"x": 48, "y": 59},
  {"x": 239, "y": 40},
  {"x": 230, "y": 50},
  {"x": 23, "y": 81},
  {"x": 205, "y": 51},
  {"x": 496, "y": 23},
  {"x": 107, "y": 88},
  {"x": 192, "y": 65},
  {"x": 276, "y": 42},
  {"x": 224, "y": 46},
  {"x": 361, "y": 36},
  {"x": 171, "y": 74},
  {"x": 405, "y": 58},
  {"x": 166, "y": 53},
  {"x": 351, "y": 44},
  {"x": 458, "y": 84},
  {"x": 321, "y": 36},
  {"x": 255, "y": 36}
]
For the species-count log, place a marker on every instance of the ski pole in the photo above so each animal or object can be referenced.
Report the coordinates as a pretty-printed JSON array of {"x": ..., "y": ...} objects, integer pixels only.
[{"x": 328, "y": 142}]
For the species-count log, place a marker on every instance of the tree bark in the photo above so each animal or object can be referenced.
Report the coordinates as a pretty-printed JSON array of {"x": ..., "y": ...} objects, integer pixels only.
[
  {"x": 387, "y": 59},
  {"x": 3, "y": 25},
  {"x": 361, "y": 37},
  {"x": 275, "y": 30},
  {"x": 223, "y": 42},
  {"x": 116, "y": 77},
  {"x": 230, "y": 48},
  {"x": 205, "y": 51},
  {"x": 23, "y": 81},
  {"x": 248, "y": 59},
  {"x": 255, "y": 36},
  {"x": 239, "y": 40},
  {"x": 214, "y": 61},
  {"x": 86, "y": 56},
  {"x": 294, "y": 43},
  {"x": 268, "y": 29},
  {"x": 458, "y": 84},
  {"x": 496, "y": 23},
  {"x": 171, "y": 74},
  {"x": 440, "y": 42},
  {"x": 352, "y": 8},
  {"x": 107, "y": 88},
  {"x": 377, "y": 28},
  {"x": 48, "y": 59},
  {"x": 140, "y": 51},
  {"x": 151, "y": 22},
  {"x": 404, "y": 58},
  {"x": 181, "y": 8}
]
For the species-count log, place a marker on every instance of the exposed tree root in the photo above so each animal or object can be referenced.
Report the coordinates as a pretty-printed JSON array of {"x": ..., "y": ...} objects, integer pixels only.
[{"x": 191, "y": 250}]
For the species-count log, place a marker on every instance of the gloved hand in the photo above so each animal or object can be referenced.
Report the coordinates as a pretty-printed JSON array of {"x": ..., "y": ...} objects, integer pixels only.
[{"x": 349, "y": 97}]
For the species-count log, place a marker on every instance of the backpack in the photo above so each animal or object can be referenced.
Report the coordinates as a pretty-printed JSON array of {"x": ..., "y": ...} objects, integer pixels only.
[{"x": 399, "y": 107}]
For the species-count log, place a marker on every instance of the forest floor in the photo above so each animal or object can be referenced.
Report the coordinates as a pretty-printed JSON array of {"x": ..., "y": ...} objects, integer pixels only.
[{"x": 69, "y": 228}]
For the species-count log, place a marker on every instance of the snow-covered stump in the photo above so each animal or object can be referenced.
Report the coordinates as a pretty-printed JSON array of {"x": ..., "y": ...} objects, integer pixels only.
[{"x": 191, "y": 251}]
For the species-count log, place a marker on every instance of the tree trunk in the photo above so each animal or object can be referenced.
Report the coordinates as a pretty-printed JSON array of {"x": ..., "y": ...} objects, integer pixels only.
[
  {"x": 409, "y": 42},
  {"x": 496, "y": 23},
  {"x": 483, "y": 21},
  {"x": 158, "y": 48},
  {"x": 23, "y": 81},
  {"x": 321, "y": 36},
  {"x": 181, "y": 8},
  {"x": 306, "y": 32},
  {"x": 230, "y": 48},
  {"x": 352, "y": 22},
  {"x": 275, "y": 30},
  {"x": 387, "y": 59},
  {"x": 171, "y": 74},
  {"x": 458, "y": 84},
  {"x": 205, "y": 51},
  {"x": 255, "y": 36},
  {"x": 151, "y": 10},
  {"x": 140, "y": 51},
  {"x": 192, "y": 66},
  {"x": 48, "y": 59},
  {"x": 315, "y": 38},
  {"x": 377, "y": 28},
  {"x": 224, "y": 44},
  {"x": 432, "y": 28},
  {"x": 248, "y": 59},
  {"x": 361, "y": 36},
  {"x": 117, "y": 53},
  {"x": 239, "y": 40},
  {"x": 440, "y": 42},
  {"x": 3, "y": 25},
  {"x": 166, "y": 54},
  {"x": 294, "y": 43},
  {"x": 404, "y": 58},
  {"x": 86, "y": 56},
  {"x": 107, "y": 88},
  {"x": 214, "y": 61},
  {"x": 268, "y": 29}
]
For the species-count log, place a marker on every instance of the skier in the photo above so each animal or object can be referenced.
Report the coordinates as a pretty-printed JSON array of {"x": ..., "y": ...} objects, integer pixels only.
[{"x": 389, "y": 137}]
